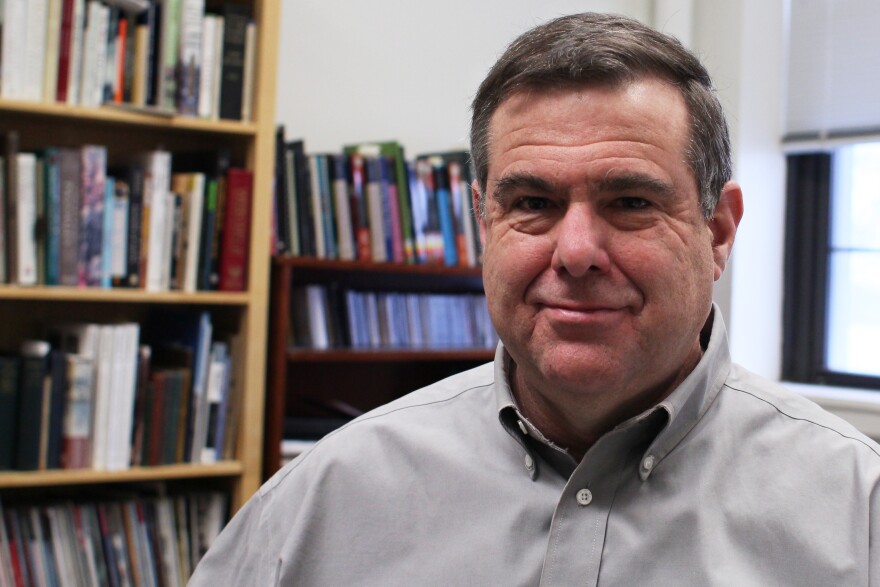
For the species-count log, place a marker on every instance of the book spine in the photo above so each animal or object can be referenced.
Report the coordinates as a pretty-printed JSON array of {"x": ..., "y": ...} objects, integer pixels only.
[
  {"x": 444, "y": 209},
  {"x": 375, "y": 210},
  {"x": 236, "y": 231},
  {"x": 77, "y": 425},
  {"x": 69, "y": 237},
  {"x": 208, "y": 69},
  {"x": 64, "y": 51},
  {"x": 249, "y": 70},
  {"x": 10, "y": 193},
  {"x": 232, "y": 72},
  {"x": 74, "y": 79},
  {"x": 34, "y": 49},
  {"x": 33, "y": 398},
  {"x": 135, "y": 224},
  {"x": 328, "y": 226},
  {"x": 120, "y": 234},
  {"x": 13, "y": 57},
  {"x": 166, "y": 95},
  {"x": 93, "y": 190},
  {"x": 190, "y": 59},
  {"x": 52, "y": 182},
  {"x": 108, "y": 236},
  {"x": 26, "y": 219},
  {"x": 9, "y": 386},
  {"x": 53, "y": 45},
  {"x": 342, "y": 201}
]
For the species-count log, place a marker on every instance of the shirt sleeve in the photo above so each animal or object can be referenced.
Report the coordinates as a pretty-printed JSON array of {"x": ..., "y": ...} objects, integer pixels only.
[{"x": 239, "y": 555}]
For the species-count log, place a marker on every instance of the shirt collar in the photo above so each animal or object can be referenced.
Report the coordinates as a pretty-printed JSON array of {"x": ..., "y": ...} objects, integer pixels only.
[{"x": 682, "y": 408}]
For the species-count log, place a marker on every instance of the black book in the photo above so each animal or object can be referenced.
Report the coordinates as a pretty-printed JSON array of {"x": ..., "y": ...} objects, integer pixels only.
[
  {"x": 303, "y": 182},
  {"x": 282, "y": 218},
  {"x": 33, "y": 403},
  {"x": 9, "y": 385},
  {"x": 235, "y": 21}
]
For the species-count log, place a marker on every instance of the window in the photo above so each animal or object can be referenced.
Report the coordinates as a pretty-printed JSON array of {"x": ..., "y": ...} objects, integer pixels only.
[{"x": 832, "y": 271}]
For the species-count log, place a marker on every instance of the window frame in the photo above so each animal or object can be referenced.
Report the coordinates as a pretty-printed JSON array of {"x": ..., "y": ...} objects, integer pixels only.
[{"x": 807, "y": 283}]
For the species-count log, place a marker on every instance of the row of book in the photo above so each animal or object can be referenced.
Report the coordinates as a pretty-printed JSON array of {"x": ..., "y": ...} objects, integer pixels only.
[
  {"x": 369, "y": 203},
  {"x": 167, "y": 54},
  {"x": 113, "y": 396},
  {"x": 66, "y": 219},
  {"x": 329, "y": 316},
  {"x": 148, "y": 542}
]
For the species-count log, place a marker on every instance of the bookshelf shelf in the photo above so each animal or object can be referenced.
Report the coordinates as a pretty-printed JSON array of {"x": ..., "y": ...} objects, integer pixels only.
[
  {"x": 301, "y": 378},
  {"x": 131, "y": 296},
  {"x": 300, "y": 355},
  {"x": 63, "y": 478},
  {"x": 119, "y": 116}
]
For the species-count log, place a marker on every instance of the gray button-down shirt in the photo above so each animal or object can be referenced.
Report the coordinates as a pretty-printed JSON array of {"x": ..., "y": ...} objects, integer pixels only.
[{"x": 731, "y": 480}]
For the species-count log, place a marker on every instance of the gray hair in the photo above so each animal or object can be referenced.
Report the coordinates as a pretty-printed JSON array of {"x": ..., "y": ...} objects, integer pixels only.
[{"x": 601, "y": 49}]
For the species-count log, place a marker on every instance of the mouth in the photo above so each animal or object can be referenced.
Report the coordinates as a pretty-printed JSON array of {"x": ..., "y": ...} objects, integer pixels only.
[{"x": 579, "y": 313}]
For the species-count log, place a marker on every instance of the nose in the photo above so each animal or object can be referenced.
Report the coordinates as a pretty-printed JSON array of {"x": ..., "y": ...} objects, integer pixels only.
[{"x": 581, "y": 239}]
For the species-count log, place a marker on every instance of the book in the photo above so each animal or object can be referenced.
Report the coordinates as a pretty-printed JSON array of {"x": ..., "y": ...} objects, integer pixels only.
[
  {"x": 94, "y": 54},
  {"x": 33, "y": 404},
  {"x": 302, "y": 180},
  {"x": 338, "y": 170},
  {"x": 70, "y": 174},
  {"x": 77, "y": 425},
  {"x": 9, "y": 392},
  {"x": 249, "y": 70},
  {"x": 190, "y": 56},
  {"x": 235, "y": 21},
  {"x": 77, "y": 51},
  {"x": 120, "y": 234},
  {"x": 25, "y": 262},
  {"x": 8, "y": 242},
  {"x": 57, "y": 399},
  {"x": 236, "y": 230},
  {"x": 123, "y": 383},
  {"x": 92, "y": 198},
  {"x": 34, "y": 49},
  {"x": 52, "y": 207},
  {"x": 191, "y": 187},
  {"x": 12, "y": 57},
  {"x": 168, "y": 53},
  {"x": 133, "y": 183},
  {"x": 215, "y": 391},
  {"x": 210, "y": 65},
  {"x": 156, "y": 214},
  {"x": 107, "y": 233},
  {"x": 50, "y": 55}
]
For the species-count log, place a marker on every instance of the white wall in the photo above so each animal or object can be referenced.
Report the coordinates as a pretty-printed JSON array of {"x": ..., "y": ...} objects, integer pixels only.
[{"x": 385, "y": 69}]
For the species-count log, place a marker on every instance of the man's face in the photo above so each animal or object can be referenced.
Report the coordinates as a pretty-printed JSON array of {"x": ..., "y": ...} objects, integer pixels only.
[{"x": 598, "y": 262}]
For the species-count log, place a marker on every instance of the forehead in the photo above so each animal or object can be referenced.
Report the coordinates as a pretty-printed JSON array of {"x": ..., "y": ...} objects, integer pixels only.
[{"x": 647, "y": 114}]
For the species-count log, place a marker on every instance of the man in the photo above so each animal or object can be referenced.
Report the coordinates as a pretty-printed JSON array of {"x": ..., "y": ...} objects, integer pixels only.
[{"x": 612, "y": 441}]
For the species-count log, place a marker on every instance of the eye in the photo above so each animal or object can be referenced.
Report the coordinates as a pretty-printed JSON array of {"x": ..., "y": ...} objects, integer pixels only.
[
  {"x": 633, "y": 203},
  {"x": 533, "y": 203}
]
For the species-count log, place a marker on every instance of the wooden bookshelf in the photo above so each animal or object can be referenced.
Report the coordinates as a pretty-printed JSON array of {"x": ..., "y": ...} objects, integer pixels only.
[
  {"x": 240, "y": 315},
  {"x": 363, "y": 378}
]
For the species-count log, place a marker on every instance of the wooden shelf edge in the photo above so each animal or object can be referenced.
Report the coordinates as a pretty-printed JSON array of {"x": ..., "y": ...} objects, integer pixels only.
[
  {"x": 124, "y": 116},
  {"x": 121, "y": 295},
  {"x": 360, "y": 266},
  {"x": 300, "y": 355},
  {"x": 70, "y": 477}
]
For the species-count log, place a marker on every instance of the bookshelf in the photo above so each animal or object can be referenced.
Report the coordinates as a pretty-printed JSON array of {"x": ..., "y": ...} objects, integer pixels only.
[
  {"x": 27, "y": 311},
  {"x": 363, "y": 378}
]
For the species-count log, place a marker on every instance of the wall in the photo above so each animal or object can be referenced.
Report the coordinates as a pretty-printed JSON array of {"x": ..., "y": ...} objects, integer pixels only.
[{"x": 384, "y": 69}]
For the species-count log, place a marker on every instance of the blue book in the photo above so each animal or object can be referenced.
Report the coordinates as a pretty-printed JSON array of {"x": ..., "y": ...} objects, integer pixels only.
[
  {"x": 444, "y": 210},
  {"x": 107, "y": 232},
  {"x": 52, "y": 207}
]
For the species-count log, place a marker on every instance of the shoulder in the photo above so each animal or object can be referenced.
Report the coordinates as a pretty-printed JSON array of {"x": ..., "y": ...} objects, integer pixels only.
[
  {"x": 442, "y": 414},
  {"x": 795, "y": 418}
]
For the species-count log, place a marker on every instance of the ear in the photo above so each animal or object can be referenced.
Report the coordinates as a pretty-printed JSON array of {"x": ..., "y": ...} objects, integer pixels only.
[
  {"x": 724, "y": 223},
  {"x": 481, "y": 221}
]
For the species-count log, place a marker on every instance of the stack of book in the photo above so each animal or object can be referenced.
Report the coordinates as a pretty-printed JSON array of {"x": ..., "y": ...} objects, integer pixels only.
[
  {"x": 330, "y": 316},
  {"x": 113, "y": 396},
  {"x": 131, "y": 541},
  {"x": 369, "y": 203},
  {"x": 158, "y": 223},
  {"x": 167, "y": 55}
]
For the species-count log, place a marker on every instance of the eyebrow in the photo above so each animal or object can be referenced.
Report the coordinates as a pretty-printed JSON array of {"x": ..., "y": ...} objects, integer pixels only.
[{"x": 506, "y": 186}]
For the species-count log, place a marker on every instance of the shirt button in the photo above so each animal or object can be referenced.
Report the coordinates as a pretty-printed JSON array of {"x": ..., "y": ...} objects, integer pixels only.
[
  {"x": 530, "y": 463},
  {"x": 522, "y": 427},
  {"x": 584, "y": 497},
  {"x": 648, "y": 463}
]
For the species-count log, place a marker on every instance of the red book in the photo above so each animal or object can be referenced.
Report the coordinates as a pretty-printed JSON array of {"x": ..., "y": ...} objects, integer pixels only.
[
  {"x": 358, "y": 207},
  {"x": 64, "y": 50},
  {"x": 235, "y": 247}
]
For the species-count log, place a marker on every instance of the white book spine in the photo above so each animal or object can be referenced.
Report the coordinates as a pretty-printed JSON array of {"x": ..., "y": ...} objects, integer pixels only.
[
  {"x": 159, "y": 165},
  {"x": 53, "y": 39},
  {"x": 377, "y": 228},
  {"x": 250, "y": 60},
  {"x": 206, "y": 78},
  {"x": 190, "y": 56},
  {"x": 103, "y": 391},
  {"x": 34, "y": 49},
  {"x": 13, "y": 59},
  {"x": 317, "y": 316},
  {"x": 194, "y": 231},
  {"x": 344, "y": 231},
  {"x": 77, "y": 34},
  {"x": 26, "y": 220}
]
